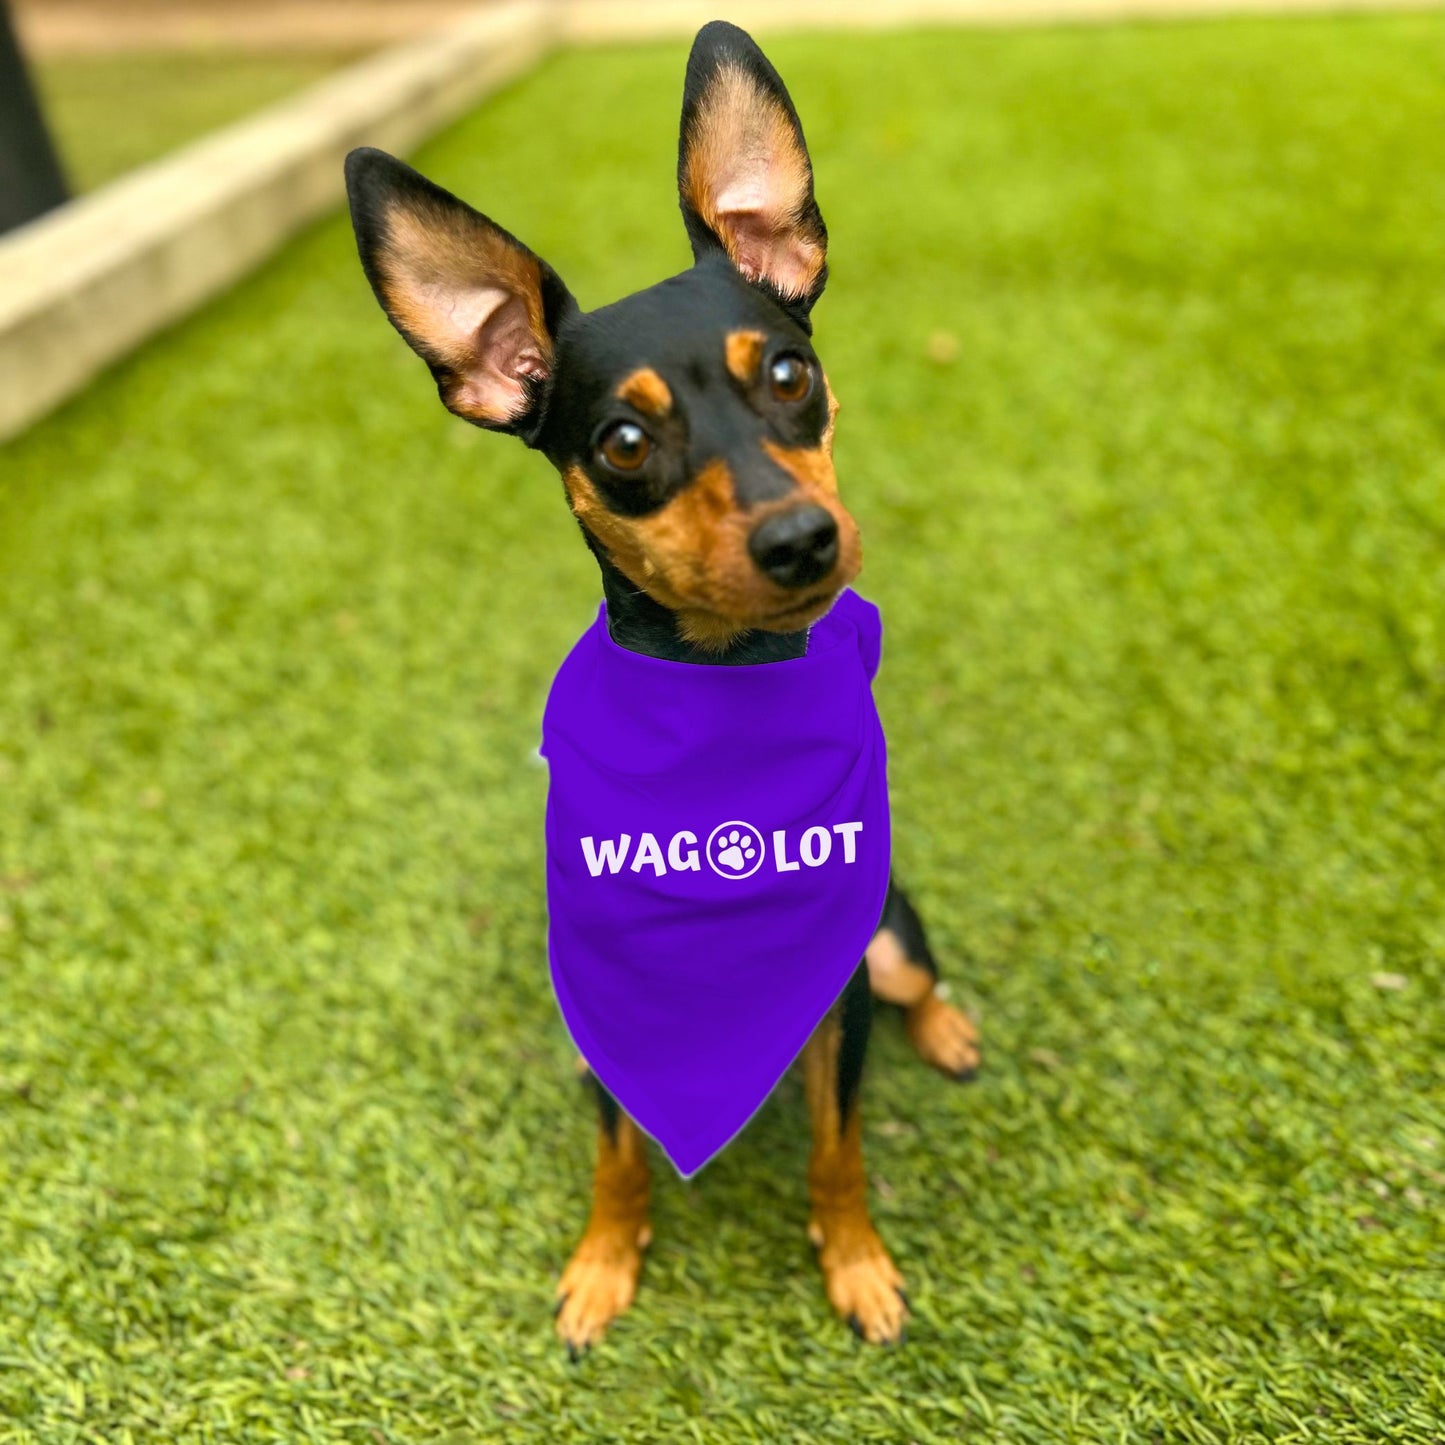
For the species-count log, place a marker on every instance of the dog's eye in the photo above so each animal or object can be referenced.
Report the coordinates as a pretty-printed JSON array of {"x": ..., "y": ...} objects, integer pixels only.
[
  {"x": 790, "y": 377},
  {"x": 624, "y": 447}
]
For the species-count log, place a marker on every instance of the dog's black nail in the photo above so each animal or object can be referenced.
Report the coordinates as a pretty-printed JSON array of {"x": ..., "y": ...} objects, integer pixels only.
[
  {"x": 557, "y": 1308},
  {"x": 855, "y": 1326},
  {"x": 575, "y": 1352},
  {"x": 966, "y": 1076},
  {"x": 903, "y": 1295}
]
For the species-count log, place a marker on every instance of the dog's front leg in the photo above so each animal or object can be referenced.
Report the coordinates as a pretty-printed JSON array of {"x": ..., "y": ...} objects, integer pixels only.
[
  {"x": 862, "y": 1282},
  {"x": 601, "y": 1277},
  {"x": 902, "y": 971}
]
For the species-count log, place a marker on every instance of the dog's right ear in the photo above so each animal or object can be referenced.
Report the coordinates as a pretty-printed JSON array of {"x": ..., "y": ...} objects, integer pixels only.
[
  {"x": 471, "y": 300},
  {"x": 744, "y": 176}
]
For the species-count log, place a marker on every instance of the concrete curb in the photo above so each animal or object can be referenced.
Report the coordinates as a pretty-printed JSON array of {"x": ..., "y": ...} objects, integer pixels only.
[
  {"x": 104, "y": 27},
  {"x": 87, "y": 283},
  {"x": 595, "y": 22}
]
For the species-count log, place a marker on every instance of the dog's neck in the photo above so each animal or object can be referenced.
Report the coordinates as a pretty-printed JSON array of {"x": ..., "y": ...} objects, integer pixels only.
[{"x": 640, "y": 624}]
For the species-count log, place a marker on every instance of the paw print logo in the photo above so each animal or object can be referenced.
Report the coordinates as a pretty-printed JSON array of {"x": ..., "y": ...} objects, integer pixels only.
[
  {"x": 735, "y": 849},
  {"x": 739, "y": 851}
]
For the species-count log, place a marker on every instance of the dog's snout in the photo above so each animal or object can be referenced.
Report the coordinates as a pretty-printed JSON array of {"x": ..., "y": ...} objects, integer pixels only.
[{"x": 796, "y": 547}]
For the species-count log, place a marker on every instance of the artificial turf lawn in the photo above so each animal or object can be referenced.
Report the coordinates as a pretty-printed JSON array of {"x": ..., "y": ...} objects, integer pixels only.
[
  {"x": 292, "y": 1144},
  {"x": 110, "y": 113}
]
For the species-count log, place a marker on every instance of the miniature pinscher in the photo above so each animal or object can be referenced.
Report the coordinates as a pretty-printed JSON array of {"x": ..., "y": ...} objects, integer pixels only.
[{"x": 692, "y": 425}]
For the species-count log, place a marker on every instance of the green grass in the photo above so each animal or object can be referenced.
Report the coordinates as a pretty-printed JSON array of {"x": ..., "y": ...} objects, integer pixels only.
[
  {"x": 111, "y": 113},
  {"x": 292, "y": 1146}
]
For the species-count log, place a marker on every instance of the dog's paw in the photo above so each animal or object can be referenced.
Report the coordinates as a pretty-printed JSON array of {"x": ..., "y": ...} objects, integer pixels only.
[
  {"x": 736, "y": 850},
  {"x": 943, "y": 1036},
  {"x": 862, "y": 1282},
  {"x": 598, "y": 1283}
]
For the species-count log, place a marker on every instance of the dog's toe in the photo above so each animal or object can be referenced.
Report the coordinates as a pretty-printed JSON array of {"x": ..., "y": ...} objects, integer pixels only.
[
  {"x": 864, "y": 1286},
  {"x": 599, "y": 1282},
  {"x": 945, "y": 1037}
]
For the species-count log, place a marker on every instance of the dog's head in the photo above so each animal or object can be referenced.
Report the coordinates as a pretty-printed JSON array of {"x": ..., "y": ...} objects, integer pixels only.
[{"x": 691, "y": 422}]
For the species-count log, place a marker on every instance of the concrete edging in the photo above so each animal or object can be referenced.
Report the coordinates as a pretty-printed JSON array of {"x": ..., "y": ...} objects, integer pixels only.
[
  {"x": 598, "y": 22},
  {"x": 85, "y": 284}
]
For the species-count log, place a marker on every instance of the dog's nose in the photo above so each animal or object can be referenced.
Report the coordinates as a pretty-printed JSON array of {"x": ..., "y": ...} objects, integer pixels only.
[{"x": 796, "y": 547}]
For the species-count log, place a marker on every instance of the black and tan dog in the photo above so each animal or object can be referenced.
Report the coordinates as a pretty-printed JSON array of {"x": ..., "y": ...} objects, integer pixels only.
[{"x": 692, "y": 425}]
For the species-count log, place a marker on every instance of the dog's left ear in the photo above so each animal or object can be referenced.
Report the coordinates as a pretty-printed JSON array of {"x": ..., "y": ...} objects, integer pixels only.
[{"x": 743, "y": 173}]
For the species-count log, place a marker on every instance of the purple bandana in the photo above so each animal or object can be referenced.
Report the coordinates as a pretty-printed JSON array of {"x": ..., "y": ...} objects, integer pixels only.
[{"x": 717, "y": 858}]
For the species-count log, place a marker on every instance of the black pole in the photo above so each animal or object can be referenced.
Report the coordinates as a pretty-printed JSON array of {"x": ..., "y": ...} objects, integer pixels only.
[{"x": 31, "y": 181}]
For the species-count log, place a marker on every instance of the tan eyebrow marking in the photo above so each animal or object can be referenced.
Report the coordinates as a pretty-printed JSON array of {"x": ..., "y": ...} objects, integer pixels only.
[
  {"x": 647, "y": 391},
  {"x": 744, "y": 350}
]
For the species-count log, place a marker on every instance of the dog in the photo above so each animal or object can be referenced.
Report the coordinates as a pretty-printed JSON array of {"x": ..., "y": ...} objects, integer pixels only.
[{"x": 692, "y": 426}]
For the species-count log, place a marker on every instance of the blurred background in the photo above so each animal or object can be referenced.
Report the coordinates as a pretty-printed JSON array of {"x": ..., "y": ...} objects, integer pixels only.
[
  {"x": 123, "y": 81},
  {"x": 1138, "y": 328}
]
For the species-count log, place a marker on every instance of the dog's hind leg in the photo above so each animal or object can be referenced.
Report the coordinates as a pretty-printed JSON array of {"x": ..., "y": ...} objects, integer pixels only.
[
  {"x": 862, "y": 1282},
  {"x": 601, "y": 1277},
  {"x": 902, "y": 971}
]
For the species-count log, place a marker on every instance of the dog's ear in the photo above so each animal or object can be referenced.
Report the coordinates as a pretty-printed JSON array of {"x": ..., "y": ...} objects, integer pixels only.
[
  {"x": 743, "y": 172},
  {"x": 471, "y": 300}
]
